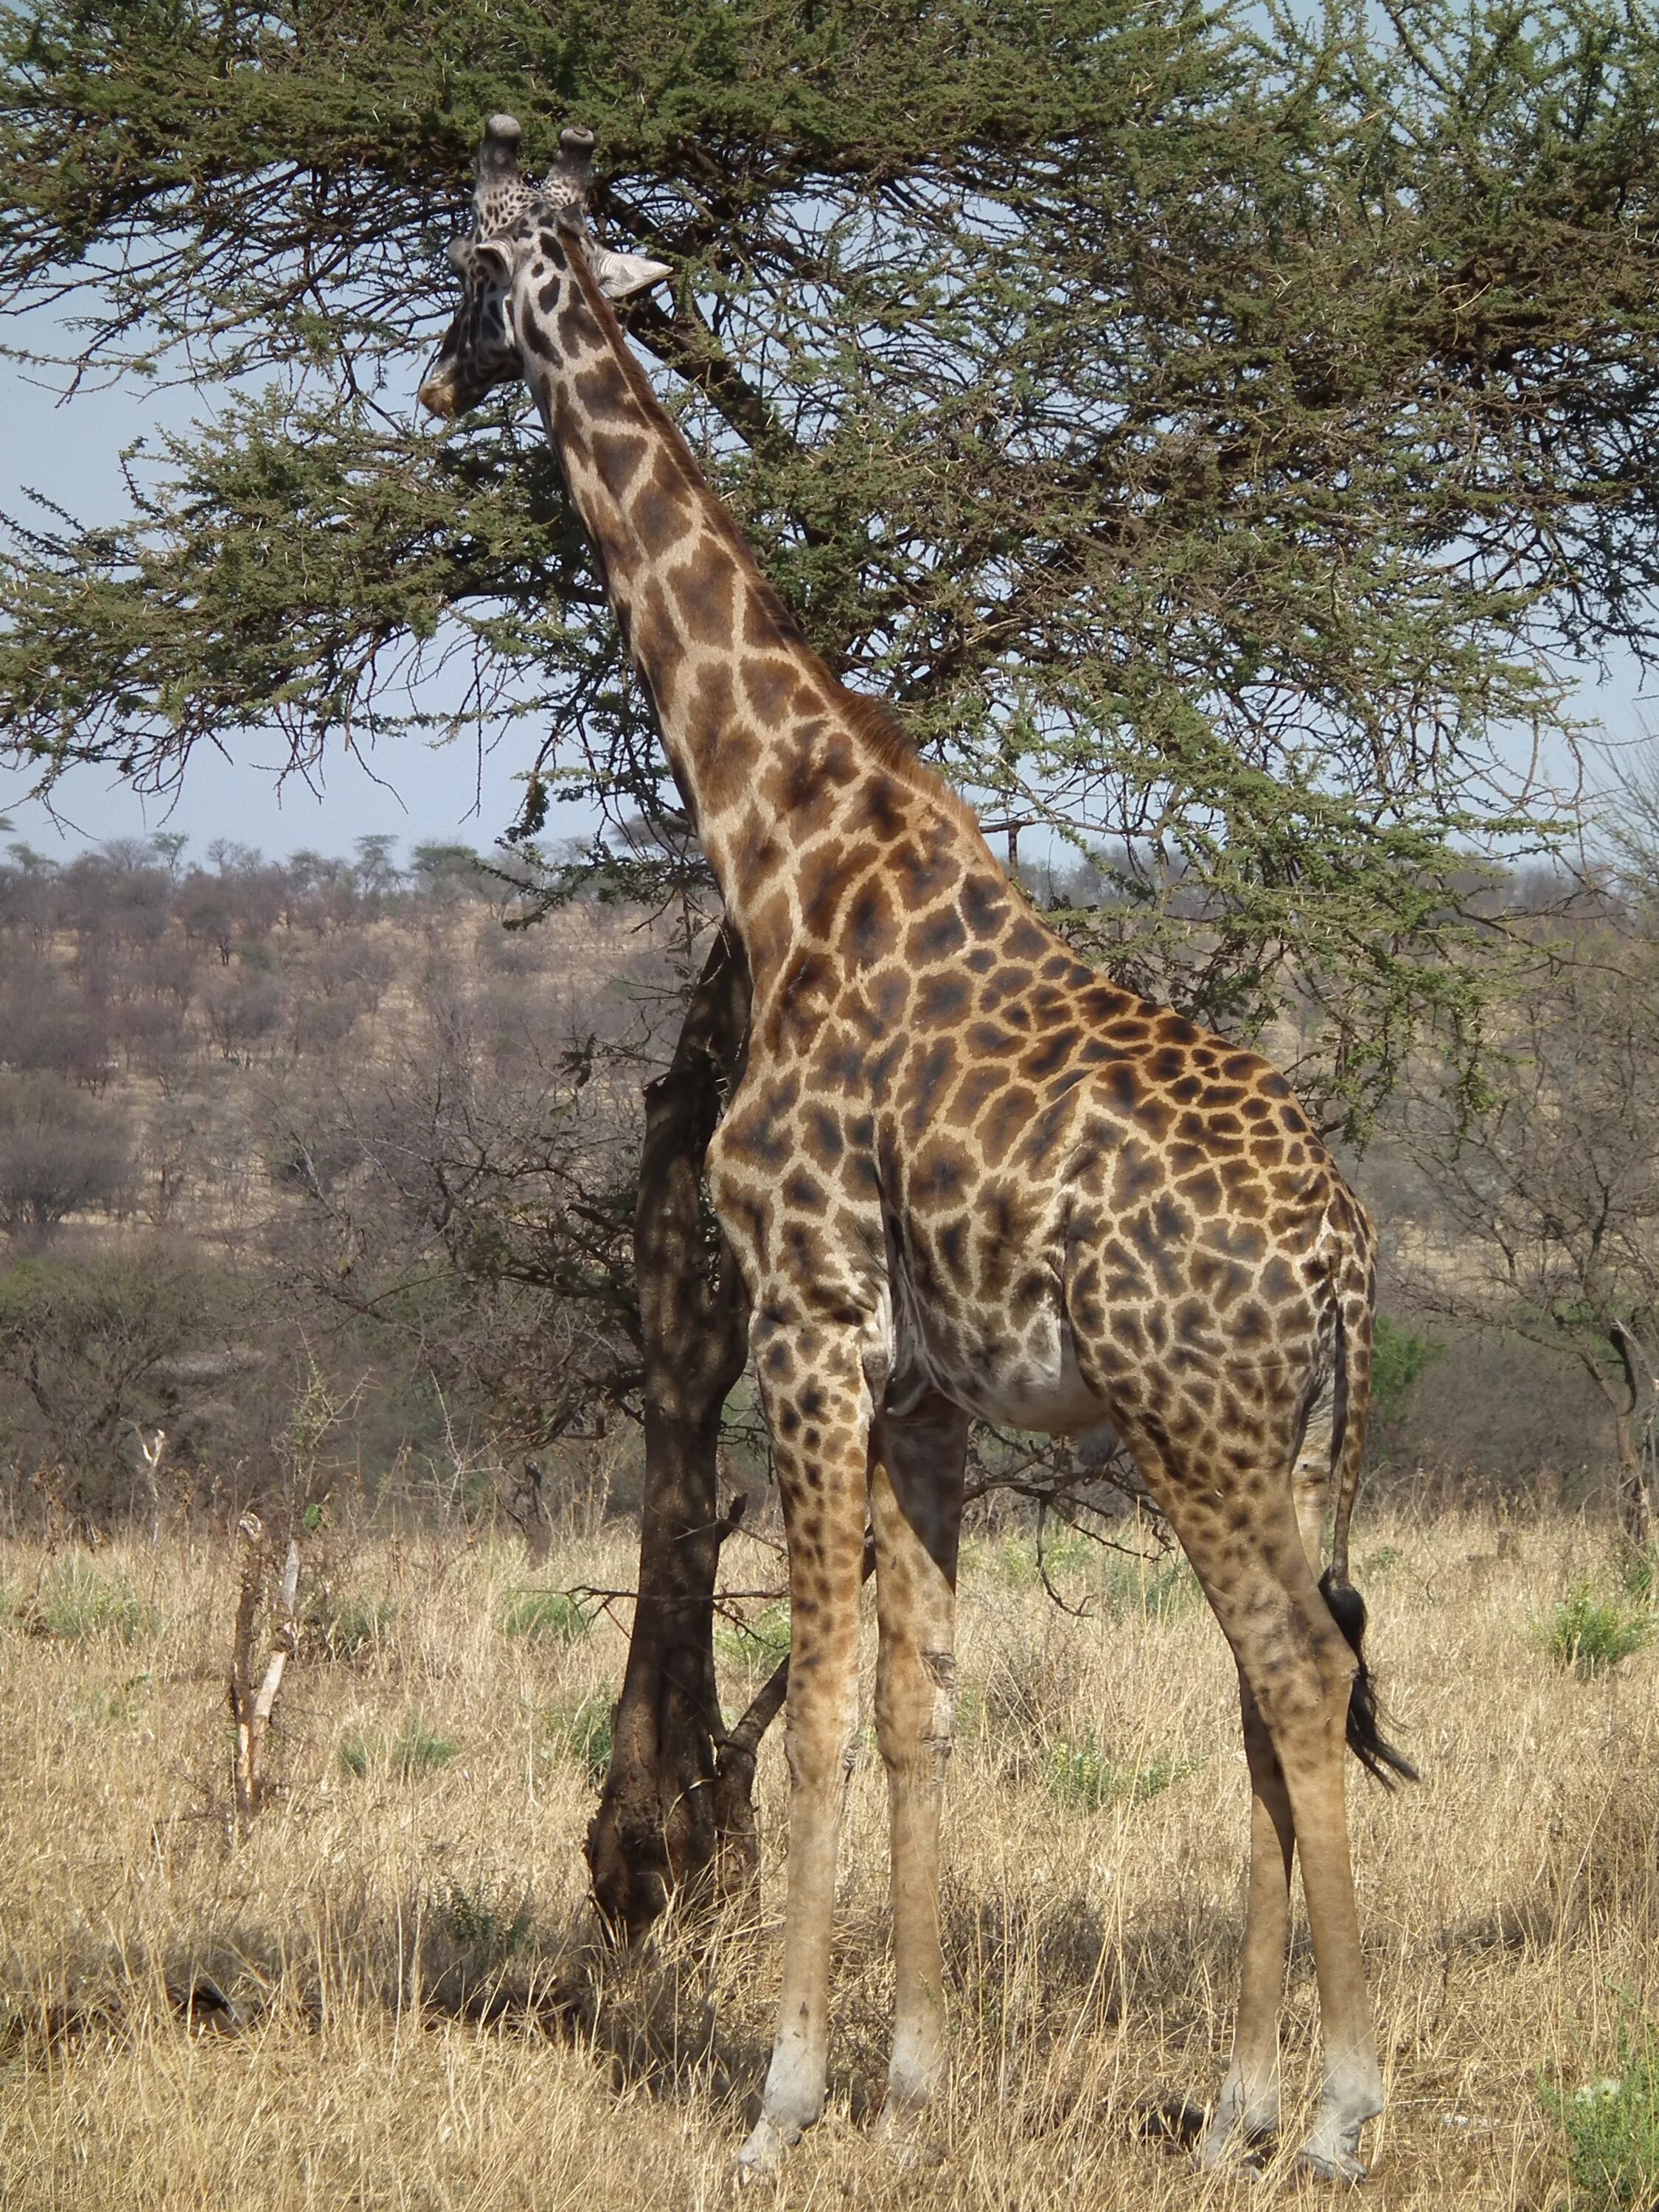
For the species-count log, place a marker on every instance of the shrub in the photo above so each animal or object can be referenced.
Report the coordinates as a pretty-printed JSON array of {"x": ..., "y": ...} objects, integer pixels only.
[
  {"x": 1591, "y": 1633},
  {"x": 1611, "y": 2129},
  {"x": 1400, "y": 1359},
  {"x": 405, "y": 1758},
  {"x": 759, "y": 1644},
  {"x": 582, "y": 1732},
  {"x": 1080, "y": 1775},
  {"x": 544, "y": 1612}
]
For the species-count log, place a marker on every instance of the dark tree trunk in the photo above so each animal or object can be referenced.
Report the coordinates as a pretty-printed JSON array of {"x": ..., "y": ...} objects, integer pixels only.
[{"x": 668, "y": 1812}]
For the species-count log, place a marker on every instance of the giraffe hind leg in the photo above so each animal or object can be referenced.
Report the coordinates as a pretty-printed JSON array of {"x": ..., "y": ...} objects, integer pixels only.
[
  {"x": 1298, "y": 1668},
  {"x": 1247, "y": 2109},
  {"x": 915, "y": 1501}
]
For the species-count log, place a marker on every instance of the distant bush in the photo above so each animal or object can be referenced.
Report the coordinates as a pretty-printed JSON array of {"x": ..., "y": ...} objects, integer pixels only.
[
  {"x": 544, "y": 1612},
  {"x": 59, "y": 1154},
  {"x": 1591, "y": 1633},
  {"x": 1400, "y": 1359},
  {"x": 1611, "y": 2129}
]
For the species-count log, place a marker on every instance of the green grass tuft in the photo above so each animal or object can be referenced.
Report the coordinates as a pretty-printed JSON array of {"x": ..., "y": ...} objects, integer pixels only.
[
  {"x": 582, "y": 1732},
  {"x": 1082, "y": 1776},
  {"x": 1611, "y": 2129},
  {"x": 419, "y": 1750},
  {"x": 549, "y": 1612},
  {"x": 1591, "y": 1633},
  {"x": 78, "y": 1602},
  {"x": 349, "y": 1628}
]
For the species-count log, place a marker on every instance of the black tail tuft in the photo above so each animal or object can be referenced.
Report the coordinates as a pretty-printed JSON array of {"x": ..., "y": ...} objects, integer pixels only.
[{"x": 1380, "y": 1759}]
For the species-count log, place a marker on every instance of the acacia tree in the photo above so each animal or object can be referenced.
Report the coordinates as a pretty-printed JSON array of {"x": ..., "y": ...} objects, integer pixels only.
[{"x": 1208, "y": 424}]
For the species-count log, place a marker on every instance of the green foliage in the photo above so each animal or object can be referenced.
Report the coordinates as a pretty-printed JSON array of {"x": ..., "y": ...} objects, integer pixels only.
[
  {"x": 759, "y": 1644},
  {"x": 1250, "y": 516},
  {"x": 1591, "y": 1633},
  {"x": 582, "y": 1734},
  {"x": 416, "y": 1751},
  {"x": 1381, "y": 1561},
  {"x": 489, "y": 1920},
  {"x": 80, "y": 1600},
  {"x": 1611, "y": 2129},
  {"x": 1081, "y": 1776},
  {"x": 1400, "y": 1358},
  {"x": 544, "y": 1612}
]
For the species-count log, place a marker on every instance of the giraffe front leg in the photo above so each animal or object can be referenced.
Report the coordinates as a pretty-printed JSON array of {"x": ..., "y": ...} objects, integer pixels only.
[
  {"x": 915, "y": 1498},
  {"x": 818, "y": 1406},
  {"x": 1247, "y": 2108}
]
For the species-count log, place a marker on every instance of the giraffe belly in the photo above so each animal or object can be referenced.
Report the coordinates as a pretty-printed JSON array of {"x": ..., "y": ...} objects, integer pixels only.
[
  {"x": 1037, "y": 1385},
  {"x": 1034, "y": 1394}
]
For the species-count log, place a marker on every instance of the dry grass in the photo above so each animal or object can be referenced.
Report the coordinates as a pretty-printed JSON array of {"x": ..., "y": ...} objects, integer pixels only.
[{"x": 383, "y": 1998}]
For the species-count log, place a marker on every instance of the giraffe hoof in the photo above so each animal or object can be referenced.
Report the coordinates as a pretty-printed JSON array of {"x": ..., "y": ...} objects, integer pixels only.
[
  {"x": 763, "y": 2153},
  {"x": 1332, "y": 2166},
  {"x": 900, "y": 2131}
]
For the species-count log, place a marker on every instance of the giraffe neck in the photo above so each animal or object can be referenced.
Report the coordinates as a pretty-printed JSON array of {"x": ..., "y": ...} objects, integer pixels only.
[{"x": 770, "y": 751}]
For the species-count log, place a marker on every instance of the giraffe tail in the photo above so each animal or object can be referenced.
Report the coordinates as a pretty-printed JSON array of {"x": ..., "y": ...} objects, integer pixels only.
[{"x": 1355, "y": 1309}]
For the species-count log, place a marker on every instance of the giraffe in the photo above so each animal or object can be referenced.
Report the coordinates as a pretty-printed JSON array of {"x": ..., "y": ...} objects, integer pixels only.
[{"x": 963, "y": 1175}]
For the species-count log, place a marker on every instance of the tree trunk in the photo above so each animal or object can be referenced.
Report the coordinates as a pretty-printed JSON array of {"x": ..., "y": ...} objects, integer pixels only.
[
  {"x": 659, "y": 1828},
  {"x": 1635, "y": 1510}
]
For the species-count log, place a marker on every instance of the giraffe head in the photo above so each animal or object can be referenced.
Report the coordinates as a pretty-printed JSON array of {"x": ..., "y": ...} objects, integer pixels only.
[{"x": 522, "y": 230}]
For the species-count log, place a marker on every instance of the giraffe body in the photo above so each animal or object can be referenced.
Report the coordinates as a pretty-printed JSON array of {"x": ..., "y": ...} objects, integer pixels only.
[{"x": 963, "y": 1175}]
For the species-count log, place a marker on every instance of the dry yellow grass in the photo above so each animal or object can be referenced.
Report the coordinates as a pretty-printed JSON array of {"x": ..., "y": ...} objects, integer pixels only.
[{"x": 1509, "y": 1904}]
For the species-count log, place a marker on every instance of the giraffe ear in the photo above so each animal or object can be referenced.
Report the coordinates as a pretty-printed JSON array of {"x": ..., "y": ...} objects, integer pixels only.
[{"x": 621, "y": 274}]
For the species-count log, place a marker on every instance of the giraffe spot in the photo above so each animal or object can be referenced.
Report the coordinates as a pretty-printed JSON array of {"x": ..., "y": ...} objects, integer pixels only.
[
  {"x": 1006, "y": 983},
  {"x": 821, "y": 1135},
  {"x": 601, "y": 391},
  {"x": 1175, "y": 1028},
  {"x": 802, "y": 1189},
  {"x": 618, "y": 457},
  {"x": 704, "y": 588},
  {"x": 951, "y": 1241},
  {"x": 926, "y": 1076},
  {"x": 1027, "y": 939},
  {"x": 661, "y": 512},
  {"x": 941, "y": 1174},
  {"x": 976, "y": 1086},
  {"x": 1118, "y": 1086},
  {"x": 713, "y": 702},
  {"x": 990, "y": 1041},
  {"x": 941, "y": 1001},
  {"x": 921, "y": 879},
  {"x": 1202, "y": 1192},
  {"x": 1153, "y": 1117},
  {"x": 870, "y": 930},
  {"x": 1049, "y": 1055},
  {"x": 878, "y": 810},
  {"x": 936, "y": 937},
  {"x": 770, "y": 683},
  {"x": 1004, "y": 1120},
  {"x": 984, "y": 905}
]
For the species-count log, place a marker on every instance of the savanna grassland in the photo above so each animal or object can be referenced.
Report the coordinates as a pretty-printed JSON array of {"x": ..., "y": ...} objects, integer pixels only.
[{"x": 387, "y": 1994}]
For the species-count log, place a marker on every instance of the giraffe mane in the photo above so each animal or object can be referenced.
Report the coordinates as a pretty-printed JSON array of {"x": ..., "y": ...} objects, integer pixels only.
[{"x": 879, "y": 729}]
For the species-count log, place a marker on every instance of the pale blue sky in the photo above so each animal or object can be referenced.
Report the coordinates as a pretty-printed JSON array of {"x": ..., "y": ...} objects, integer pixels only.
[{"x": 70, "y": 451}]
